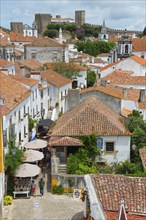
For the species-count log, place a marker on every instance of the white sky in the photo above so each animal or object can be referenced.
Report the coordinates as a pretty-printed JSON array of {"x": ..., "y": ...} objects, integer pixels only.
[{"x": 129, "y": 14}]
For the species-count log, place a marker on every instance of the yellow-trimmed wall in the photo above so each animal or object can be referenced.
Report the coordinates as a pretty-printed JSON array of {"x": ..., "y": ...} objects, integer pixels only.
[{"x": 1, "y": 147}]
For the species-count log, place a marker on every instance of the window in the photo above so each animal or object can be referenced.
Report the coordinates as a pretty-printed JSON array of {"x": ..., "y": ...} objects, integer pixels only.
[
  {"x": 19, "y": 136},
  {"x": 42, "y": 94},
  {"x": 109, "y": 147},
  {"x": 61, "y": 96},
  {"x": 48, "y": 91},
  {"x": 126, "y": 49},
  {"x": 33, "y": 55},
  {"x": 33, "y": 113},
  {"x": 142, "y": 55},
  {"x": 24, "y": 110},
  {"x": 24, "y": 130},
  {"x": 19, "y": 115},
  {"x": 36, "y": 93}
]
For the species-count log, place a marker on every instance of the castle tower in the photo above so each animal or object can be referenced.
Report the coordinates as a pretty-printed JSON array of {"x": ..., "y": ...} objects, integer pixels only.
[
  {"x": 42, "y": 20},
  {"x": 80, "y": 17},
  {"x": 104, "y": 33}
]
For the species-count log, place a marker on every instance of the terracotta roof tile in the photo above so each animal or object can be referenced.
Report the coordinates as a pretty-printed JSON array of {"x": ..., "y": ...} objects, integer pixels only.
[
  {"x": 24, "y": 80},
  {"x": 92, "y": 115},
  {"x": 3, "y": 32},
  {"x": 125, "y": 112},
  {"x": 111, "y": 189},
  {"x": 65, "y": 141},
  {"x": 4, "y": 63},
  {"x": 72, "y": 65},
  {"x": 114, "y": 216},
  {"x": 139, "y": 44},
  {"x": 44, "y": 42},
  {"x": 103, "y": 55},
  {"x": 123, "y": 77},
  {"x": 117, "y": 92},
  {"x": 139, "y": 60},
  {"x": 142, "y": 152},
  {"x": 142, "y": 105},
  {"x": 55, "y": 78},
  {"x": 31, "y": 64},
  {"x": 15, "y": 37},
  {"x": 109, "y": 65},
  {"x": 12, "y": 92}
]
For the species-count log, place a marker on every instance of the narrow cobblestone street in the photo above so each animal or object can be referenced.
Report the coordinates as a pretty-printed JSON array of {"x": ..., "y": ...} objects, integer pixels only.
[{"x": 49, "y": 207}]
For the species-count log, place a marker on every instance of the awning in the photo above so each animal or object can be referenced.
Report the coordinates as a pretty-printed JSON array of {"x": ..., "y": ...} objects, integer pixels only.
[
  {"x": 36, "y": 144},
  {"x": 32, "y": 156},
  {"x": 45, "y": 122},
  {"x": 27, "y": 170}
]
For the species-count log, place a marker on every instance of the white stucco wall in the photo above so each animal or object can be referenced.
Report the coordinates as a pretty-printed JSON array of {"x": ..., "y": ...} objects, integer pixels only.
[
  {"x": 82, "y": 79},
  {"x": 19, "y": 124},
  {"x": 122, "y": 148},
  {"x": 62, "y": 102},
  {"x": 128, "y": 104}
]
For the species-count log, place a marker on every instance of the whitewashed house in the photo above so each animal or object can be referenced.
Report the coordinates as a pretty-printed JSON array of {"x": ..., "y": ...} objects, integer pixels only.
[
  {"x": 15, "y": 113},
  {"x": 34, "y": 107},
  {"x": 30, "y": 31},
  {"x": 7, "y": 67},
  {"x": 94, "y": 116},
  {"x": 134, "y": 63},
  {"x": 58, "y": 89}
]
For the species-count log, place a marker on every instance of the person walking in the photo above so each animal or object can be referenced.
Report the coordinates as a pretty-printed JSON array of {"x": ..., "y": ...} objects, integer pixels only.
[
  {"x": 41, "y": 186},
  {"x": 33, "y": 189}
]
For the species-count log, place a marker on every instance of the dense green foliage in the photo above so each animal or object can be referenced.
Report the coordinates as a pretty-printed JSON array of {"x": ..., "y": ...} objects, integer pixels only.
[
  {"x": 12, "y": 161},
  {"x": 66, "y": 70},
  {"x": 95, "y": 48},
  {"x": 91, "y": 78},
  {"x": 83, "y": 161},
  {"x": 144, "y": 32},
  {"x": 58, "y": 189},
  {"x": 83, "y": 32},
  {"x": 137, "y": 127},
  {"x": 31, "y": 123}
]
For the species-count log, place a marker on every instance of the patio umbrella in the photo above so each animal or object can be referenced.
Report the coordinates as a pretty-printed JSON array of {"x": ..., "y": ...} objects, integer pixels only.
[
  {"x": 32, "y": 156},
  {"x": 27, "y": 170},
  {"x": 36, "y": 144}
]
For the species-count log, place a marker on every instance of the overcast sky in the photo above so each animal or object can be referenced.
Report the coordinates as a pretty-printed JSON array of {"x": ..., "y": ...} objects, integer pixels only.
[{"x": 129, "y": 14}]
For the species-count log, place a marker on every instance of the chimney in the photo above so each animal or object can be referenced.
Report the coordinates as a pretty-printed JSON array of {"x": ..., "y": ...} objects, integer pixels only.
[
  {"x": 36, "y": 75},
  {"x": 73, "y": 98},
  {"x": 92, "y": 59},
  {"x": 22, "y": 70},
  {"x": 103, "y": 82},
  {"x": 5, "y": 71},
  {"x": 124, "y": 92},
  {"x": 142, "y": 95}
]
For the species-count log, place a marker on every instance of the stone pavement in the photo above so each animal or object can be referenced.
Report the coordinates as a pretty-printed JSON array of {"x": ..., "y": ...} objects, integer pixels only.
[{"x": 49, "y": 207}]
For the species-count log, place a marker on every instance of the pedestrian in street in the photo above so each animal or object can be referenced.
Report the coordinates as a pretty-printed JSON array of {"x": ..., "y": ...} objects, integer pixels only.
[
  {"x": 33, "y": 189},
  {"x": 41, "y": 186}
]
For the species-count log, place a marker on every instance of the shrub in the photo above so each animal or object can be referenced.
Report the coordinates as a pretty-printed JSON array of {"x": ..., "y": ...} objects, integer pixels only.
[
  {"x": 8, "y": 200},
  {"x": 58, "y": 189}
]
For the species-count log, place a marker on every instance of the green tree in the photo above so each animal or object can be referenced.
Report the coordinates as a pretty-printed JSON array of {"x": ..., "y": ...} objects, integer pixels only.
[
  {"x": 83, "y": 161},
  {"x": 91, "y": 78},
  {"x": 66, "y": 70},
  {"x": 12, "y": 162},
  {"x": 137, "y": 127},
  {"x": 144, "y": 32},
  {"x": 52, "y": 33}
]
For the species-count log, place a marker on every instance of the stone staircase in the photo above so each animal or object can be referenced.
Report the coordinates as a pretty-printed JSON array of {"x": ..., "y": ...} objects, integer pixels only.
[{"x": 62, "y": 168}]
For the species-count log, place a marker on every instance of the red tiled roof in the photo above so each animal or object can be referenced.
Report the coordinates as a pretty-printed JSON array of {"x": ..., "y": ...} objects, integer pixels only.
[
  {"x": 15, "y": 37},
  {"x": 125, "y": 112},
  {"x": 55, "y": 78},
  {"x": 92, "y": 115},
  {"x": 12, "y": 92},
  {"x": 117, "y": 92},
  {"x": 31, "y": 64},
  {"x": 44, "y": 42},
  {"x": 142, "y": 152},
  {"x": 139, "y": 60},
  {"x": 103, "y": 55},
  {"x": 65, "y": 141},
  {"x": 123, "y": 77},
  {"x": 142, "y": 105},
  {"x": 114, "y": 216},
  {"x": 4, "y": 63},
  {"x": 3, "y": 32},
  {"x": 72, "y": 65},
  {"x": 139, "y": 44},
  {"x": 24, "y": 80},
  {"x": 109, "y": 65},
  {"x": 111, "y": 189}
]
